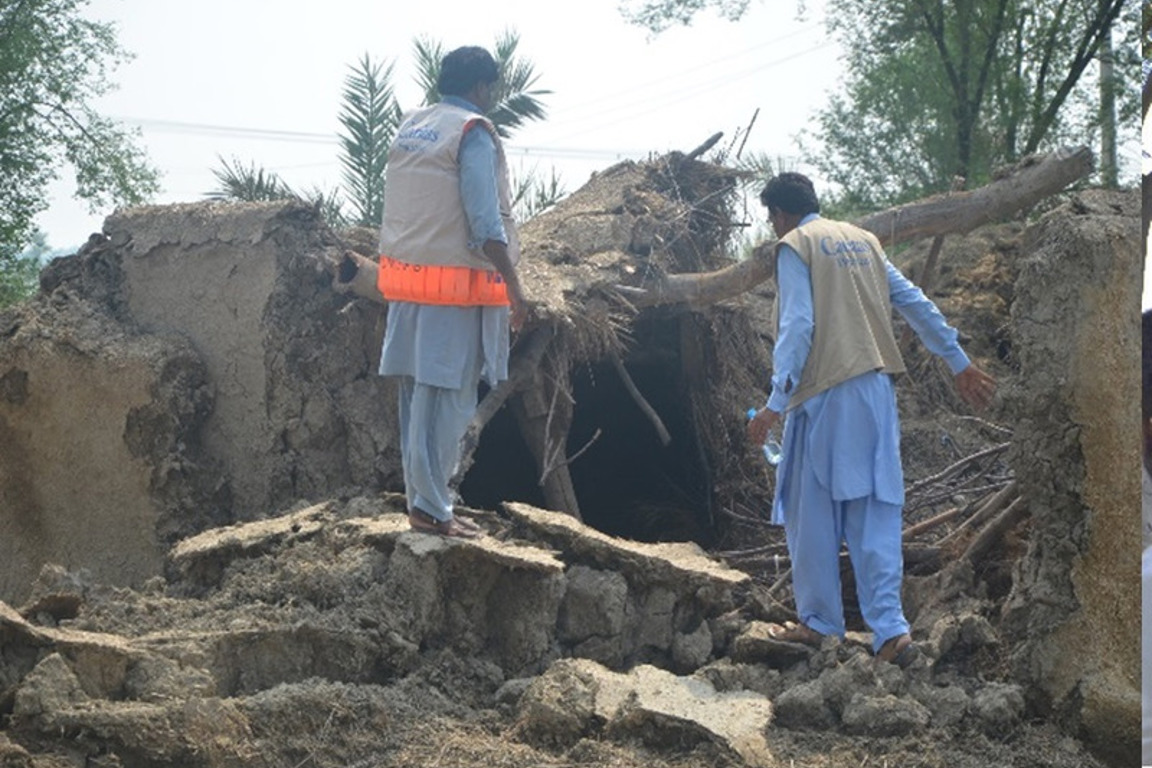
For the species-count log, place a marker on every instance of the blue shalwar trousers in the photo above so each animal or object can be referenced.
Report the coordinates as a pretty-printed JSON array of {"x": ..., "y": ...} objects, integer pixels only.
[
  {"x": 841, "y": 481},
  {"x": 439, "y": 354}
]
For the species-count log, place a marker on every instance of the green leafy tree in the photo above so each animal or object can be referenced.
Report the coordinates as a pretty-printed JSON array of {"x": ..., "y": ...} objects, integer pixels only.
[
  {"x": 19, "y": 271},
  {"x": 53, "y": 63},
  {"x": 659, "y": 15},
  {"x": 937, "y": 90}
]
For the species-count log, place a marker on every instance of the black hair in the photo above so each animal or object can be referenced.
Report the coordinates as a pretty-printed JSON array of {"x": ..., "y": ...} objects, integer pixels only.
[
  {"x": 791, "y": 193},
  {"x": 463, "y": 68}
]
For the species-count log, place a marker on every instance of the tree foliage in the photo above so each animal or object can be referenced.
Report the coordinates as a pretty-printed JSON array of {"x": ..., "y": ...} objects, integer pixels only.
[
  {"x": 533, "y": 193},
  {"x": 939, "y": 91},
  {"x": 516, "y": 102},
  {"x": 20, "y": 271},
  {"x": 251, "y": 183},
  {"x": 53, "y": 63},
  {"x": 659, "y": 15}
]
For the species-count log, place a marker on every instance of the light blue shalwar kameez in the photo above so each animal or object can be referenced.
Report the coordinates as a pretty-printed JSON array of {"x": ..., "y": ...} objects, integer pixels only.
[
  {"x": 440, "y": 353},
  {"x": 841, "y": 477}
]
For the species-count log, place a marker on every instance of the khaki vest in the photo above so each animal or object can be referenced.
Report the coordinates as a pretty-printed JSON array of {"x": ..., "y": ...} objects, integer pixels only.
[
  {"x": 851, "y": 307},
  {"x": 424, "y": 219}
]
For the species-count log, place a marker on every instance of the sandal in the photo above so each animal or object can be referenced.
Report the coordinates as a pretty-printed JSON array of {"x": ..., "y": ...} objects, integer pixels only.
[
  {"x": 469, "y": 523},
  {"x": 899, "y": 650},
  {"x": 452, "y": 528},
  {"x": 791, "y": 632}
]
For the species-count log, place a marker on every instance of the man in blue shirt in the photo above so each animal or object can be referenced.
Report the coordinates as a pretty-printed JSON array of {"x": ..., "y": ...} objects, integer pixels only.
[
  {"x": 448, "y": 270},
  {"x": 833, "y": 362}
]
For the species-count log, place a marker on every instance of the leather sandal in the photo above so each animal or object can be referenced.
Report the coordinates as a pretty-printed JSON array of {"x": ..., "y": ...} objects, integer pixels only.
[
  {"x": 791, "y": 632},
  {"x": 899, "y": 650},
  {"x": 453, "y": 528},
  {"x": 467, "y": 522}
]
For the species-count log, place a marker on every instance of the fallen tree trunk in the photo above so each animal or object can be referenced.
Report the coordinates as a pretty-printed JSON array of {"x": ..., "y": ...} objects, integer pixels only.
[
  {"x": 355, "y": 274},
  {"x": 958, "y": 212}
]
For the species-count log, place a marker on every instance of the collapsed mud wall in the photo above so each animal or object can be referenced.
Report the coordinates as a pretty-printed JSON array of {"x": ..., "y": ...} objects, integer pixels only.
[
  {"x": 1076, "y": 452},
  {"x": 189, "y": 367}
]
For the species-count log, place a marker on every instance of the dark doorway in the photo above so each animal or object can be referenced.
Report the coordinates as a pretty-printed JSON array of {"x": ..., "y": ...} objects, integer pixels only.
[{"x": 627, "y": 482}]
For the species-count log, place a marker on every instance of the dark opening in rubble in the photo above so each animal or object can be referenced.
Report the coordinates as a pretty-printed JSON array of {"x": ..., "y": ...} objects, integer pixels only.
[
  {"x": 627, "y": 482},
  {"x": 502, "y": 466}
]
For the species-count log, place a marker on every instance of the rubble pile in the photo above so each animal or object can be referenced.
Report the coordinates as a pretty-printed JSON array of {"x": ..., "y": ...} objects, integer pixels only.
[{"x": 204, "y": 560}]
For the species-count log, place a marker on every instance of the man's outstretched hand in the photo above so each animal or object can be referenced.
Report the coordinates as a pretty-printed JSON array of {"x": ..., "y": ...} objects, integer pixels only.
[{"x": 976, "y": 387}]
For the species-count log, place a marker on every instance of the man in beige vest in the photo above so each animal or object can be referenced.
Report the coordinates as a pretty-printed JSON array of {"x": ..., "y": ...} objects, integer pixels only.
[
  {"x": 840, "y": 478},
  {"x": 448, "y": 253}
]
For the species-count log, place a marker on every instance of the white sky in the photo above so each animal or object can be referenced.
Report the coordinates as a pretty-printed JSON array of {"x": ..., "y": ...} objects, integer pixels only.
[{"x": 260, "y": 81}]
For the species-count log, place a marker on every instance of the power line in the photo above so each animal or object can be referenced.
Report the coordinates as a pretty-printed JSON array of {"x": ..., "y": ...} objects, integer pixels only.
[
  {"x": 626, "y": 112},
  {"x": 693, "y": 70},
  {"x": 640, "y": 108},
  {"x": 231, "y": 131}
]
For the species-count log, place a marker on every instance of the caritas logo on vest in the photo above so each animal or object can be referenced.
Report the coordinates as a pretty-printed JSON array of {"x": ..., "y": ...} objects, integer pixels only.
[
  {"x": 416, "y": 138},
  {"x": 843, "y": 249}
]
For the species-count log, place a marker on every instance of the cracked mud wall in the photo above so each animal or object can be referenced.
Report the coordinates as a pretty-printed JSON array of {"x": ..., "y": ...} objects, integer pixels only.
[
  {"x": 92, "y": 423},
  {"x": 300, "y": 413},
  {"x": 1076, "y": 452}
]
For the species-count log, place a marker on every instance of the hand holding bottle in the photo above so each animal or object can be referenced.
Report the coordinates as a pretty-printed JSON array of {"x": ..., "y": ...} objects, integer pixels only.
[{"x": 763, "y": 429}]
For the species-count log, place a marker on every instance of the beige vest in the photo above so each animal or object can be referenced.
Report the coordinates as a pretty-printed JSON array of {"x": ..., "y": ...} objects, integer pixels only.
[
  {"x": 424, "y": 219},
  {"x": 851, "y": 307}
]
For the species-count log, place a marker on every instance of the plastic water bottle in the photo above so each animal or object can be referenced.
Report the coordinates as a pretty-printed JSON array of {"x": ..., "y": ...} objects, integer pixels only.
[{"x": 773, "y": 453}]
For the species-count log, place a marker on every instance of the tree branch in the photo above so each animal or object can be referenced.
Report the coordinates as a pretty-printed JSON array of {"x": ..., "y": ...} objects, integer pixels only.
[
  {"x": 959, "y": 212},
  {"x": 648, "y": 410}
]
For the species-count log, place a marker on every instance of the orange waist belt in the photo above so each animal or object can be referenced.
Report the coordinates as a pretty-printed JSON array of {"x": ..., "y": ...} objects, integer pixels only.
[{"x": 425, "y": 284}]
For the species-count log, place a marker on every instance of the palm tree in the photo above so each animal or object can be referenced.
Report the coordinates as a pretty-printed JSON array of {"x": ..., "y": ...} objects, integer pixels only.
[
  {"x": 249, "y": 184},
  {"x": 515, "y": 104},
  {"x": 252, "y": 184},
  {"x": 370, "y": 116}
]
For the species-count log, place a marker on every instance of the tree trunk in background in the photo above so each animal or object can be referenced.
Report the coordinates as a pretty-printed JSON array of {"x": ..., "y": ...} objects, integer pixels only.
[{"x": 1108, "y": 171}]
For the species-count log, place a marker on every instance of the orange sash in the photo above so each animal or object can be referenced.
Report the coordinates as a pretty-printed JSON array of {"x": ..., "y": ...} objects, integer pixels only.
[{"x": 425, "y": 284}]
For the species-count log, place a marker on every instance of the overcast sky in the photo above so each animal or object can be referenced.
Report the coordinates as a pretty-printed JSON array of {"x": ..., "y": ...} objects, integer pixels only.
[{"x": 260, "y": 81}]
